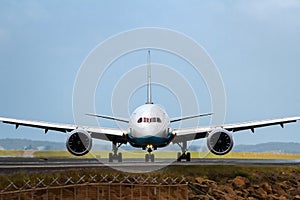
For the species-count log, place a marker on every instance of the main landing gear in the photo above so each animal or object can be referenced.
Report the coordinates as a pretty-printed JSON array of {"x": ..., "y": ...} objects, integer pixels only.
[
  {"x": 149, "y": 156},
  {"x": 115, "y": 155},
  {"x": 183, "y": 155}
]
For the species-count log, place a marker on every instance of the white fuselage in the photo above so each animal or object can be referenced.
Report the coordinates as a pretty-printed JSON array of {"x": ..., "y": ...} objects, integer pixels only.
[{"x": 149, "y": 125}]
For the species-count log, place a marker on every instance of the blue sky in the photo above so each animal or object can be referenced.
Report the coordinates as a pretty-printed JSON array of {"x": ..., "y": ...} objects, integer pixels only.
[{"x": 254, "y": 44}]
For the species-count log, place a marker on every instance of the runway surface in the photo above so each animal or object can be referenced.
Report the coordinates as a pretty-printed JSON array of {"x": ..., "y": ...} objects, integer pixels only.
[{"x": 135, "y": 165}]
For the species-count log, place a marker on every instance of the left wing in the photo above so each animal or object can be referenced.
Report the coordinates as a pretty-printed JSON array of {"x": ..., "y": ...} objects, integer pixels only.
[
  {"x": 96, "y": 132},
  {"x": 202, "y": 132}
]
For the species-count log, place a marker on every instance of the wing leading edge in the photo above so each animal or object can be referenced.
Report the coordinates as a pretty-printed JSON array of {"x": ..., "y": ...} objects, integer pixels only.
[{"x": 202, "y": 132}]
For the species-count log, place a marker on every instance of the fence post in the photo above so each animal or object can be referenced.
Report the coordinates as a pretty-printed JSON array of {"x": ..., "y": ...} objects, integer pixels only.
[
  {"x": 187, "y": 192},
  {"x": 159, "y": 193},
  {"x": 131, "y": 191},
  {"x": 75, "y": 193},
  {"x": 61, "y": 193},
  {"x": 177, "y": 193},
  {"x": 169, "y": 192},
  {"x": 109, "y": 191},
  {"x": 86, "y": 192},
  {"x": 140, "y": 192},
  {"x": 120, "y": 191},
  {"x": 47, "y": 194}
]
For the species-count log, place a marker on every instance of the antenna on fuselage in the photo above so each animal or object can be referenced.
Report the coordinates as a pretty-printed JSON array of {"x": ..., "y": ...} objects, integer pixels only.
[{"x": 149, "y": 99}]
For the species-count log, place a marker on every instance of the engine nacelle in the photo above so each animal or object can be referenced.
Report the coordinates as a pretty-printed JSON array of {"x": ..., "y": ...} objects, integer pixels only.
[
  {"x": 79, "y": 142},
  {"x": 220, "y": 141}
]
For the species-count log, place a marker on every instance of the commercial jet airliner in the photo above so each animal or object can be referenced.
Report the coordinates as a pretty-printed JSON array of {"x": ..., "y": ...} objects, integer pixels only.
[{"x": 149, "y": 128}]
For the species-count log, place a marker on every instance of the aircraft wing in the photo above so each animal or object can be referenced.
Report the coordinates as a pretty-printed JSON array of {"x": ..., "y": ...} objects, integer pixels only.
[
  {"x": 202, "y": 132},
  {"x": 96, "y": 132}
]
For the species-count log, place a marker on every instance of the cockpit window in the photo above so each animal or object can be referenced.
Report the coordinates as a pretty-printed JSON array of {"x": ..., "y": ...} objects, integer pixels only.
[{"x": 149, "y": 120}]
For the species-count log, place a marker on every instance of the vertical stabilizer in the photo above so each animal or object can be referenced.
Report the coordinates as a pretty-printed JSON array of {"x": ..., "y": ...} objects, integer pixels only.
[{"x": 149, "y": 99}]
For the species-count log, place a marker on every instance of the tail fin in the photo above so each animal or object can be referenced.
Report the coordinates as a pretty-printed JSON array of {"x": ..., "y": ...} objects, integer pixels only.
[
  {"x": 189, "y": 117},
  {"x": 109, "y": 117},
  {"x": 149, "y": 98}
]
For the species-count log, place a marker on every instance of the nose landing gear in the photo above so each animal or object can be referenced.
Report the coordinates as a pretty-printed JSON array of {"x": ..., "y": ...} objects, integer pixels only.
[{"x": 149, "y": 156}]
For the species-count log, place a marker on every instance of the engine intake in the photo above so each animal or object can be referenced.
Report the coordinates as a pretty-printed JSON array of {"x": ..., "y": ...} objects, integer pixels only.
[
  {"x": 79, "y": 142},
  {"x": 220, "y": 142}
]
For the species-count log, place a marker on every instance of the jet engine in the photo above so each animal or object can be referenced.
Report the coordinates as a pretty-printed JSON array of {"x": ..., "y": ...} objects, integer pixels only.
[
  {"x": 220, "y": 141},
  {"x": 79, "y": 142}
]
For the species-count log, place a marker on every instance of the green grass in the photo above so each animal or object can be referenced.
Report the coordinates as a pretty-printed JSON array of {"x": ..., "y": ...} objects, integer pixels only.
[
  {"x": 158, "y": 154},
  {"x": 59, "y": 154},
  {"x": 250, "y": 155},
  {"x": 172, "y": 155},
  {"x": 11, "y": 153}
]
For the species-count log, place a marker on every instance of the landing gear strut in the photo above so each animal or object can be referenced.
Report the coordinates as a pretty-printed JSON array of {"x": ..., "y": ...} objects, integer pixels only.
[
  {"x": 149, "y": 155},
  {"x": 115, "y": 155},
  {"x": 183, "y": 154}
]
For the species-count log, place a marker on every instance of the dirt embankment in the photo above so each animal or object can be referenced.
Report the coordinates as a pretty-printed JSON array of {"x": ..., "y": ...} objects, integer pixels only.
[{"x": 274, "y": 185}]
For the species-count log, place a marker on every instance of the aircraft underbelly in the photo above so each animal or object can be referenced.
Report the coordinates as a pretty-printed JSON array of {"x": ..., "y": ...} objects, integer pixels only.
[{"x": 155, "y": 141}]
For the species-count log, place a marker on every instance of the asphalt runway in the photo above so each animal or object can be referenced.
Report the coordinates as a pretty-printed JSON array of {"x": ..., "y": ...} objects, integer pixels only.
[{"x": 131, "y": 165}]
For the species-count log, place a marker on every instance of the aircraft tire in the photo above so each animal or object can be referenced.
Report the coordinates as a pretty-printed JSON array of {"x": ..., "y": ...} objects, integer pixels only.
[
  {"x": 110, "y": 157},
  {"x": 147, "y": 158},
  {"x": 188, "y": 156},
  {"x": 178, "y": 156},
  {"x": 152, "y": 157},
  {"x": 120, "y": 157}
]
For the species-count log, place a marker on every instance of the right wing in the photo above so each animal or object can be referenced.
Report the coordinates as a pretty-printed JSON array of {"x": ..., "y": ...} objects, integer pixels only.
[
  {"x": 96, "y": 132},
  {"x": 203, "y": 132}
]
